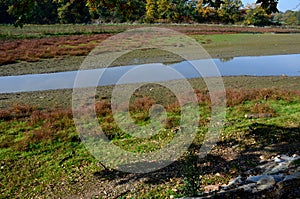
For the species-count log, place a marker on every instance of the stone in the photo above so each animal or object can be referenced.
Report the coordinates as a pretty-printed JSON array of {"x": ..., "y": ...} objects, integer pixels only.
[
  {"x": 257, "y": 115},
  {"x": 295, "y": 156},
  {"x": 278, "y": 177},
  {"x": 248, "y": 187},
  {"x": 236, "y": 181},
  {"x": 262, "y": 157},
  {"x": 288, "y": 159},
  {"x": 254, "y": 178},
  {"x": 277, "y": 159},
  {"x": 265, "y": 182},
  {"x": 292, "y": 176},
  {"x": 281, "y": 167}
]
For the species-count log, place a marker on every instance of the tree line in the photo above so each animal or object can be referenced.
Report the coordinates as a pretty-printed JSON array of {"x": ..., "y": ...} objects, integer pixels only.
[{"x": 20, "y": 12}]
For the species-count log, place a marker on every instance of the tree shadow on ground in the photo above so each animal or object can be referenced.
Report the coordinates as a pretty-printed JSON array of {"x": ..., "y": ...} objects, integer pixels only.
[{"x": 268, "y": 139}]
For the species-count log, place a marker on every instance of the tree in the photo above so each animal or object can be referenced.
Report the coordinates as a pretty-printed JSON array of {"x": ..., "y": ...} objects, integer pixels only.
[
  {"x": 277, "y": 18},
  {"x": 257, "y": 16},
  {"x": 206, "y": 11},
  {"x": 24, "y": 11},
  {"x": 39, "y": 16},
  {"x": 183, "y": 10},
  {"x": 72, "y": 11},
  {"x": 151, "y": 7},
  {"x": 290, "y": 18},
  {"x": 298, "y": 16},
  {"x": 270, "y": 6},
  {"x": 229, "y": 11},
  {"x": 4, "y": 16},
  {"x": 20, "y": 10},
  {"x": 117, "y": 10},
  {"x": 164, "y": 9}
]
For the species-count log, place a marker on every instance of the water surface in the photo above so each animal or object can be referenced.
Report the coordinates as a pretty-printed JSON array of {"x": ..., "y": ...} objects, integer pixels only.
[{"x": 275, "y": 65}]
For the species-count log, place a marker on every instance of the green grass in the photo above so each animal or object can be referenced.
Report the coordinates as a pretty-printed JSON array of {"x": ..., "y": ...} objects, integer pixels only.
[
  {"x": 40, "y": 31},
  {"x": 235, "y": 45},
  {"x": 37, "y": 162}
]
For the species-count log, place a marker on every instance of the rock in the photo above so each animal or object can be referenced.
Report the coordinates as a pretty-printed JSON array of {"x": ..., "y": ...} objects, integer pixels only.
[
  {"x": 281, "y": 167},
  {"x": 289, "y": 159},
  {"x": 277, "y": 160},
  {"x": 265, "y": 182},
  {"x": 279, "y": 178},
  {"x": 295, "y": 156},
  {"x": 235, "y": 182},
  {"x": 258, "y": 115},
  {"x": 254, "y": 178},
  {"x": 293, "y": 176},
  {"x": 248, "y": 187},
  {"x": 262, "y": 158}
]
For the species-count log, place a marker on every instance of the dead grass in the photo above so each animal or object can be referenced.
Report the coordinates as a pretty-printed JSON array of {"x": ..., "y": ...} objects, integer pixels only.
[
  {"x": 263, "y": 108},
  {"x": 236, "y": 97}
]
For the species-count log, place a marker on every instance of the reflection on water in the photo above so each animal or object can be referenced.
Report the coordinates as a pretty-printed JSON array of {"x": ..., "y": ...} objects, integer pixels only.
[
  {"x": 226, "y": 59},
  {"x": 252, "y": 66}
]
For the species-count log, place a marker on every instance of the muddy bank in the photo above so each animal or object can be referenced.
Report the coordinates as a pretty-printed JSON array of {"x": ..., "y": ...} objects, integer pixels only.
[{"x": 63, "y": 98}]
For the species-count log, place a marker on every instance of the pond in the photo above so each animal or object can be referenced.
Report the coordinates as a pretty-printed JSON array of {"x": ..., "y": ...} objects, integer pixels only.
[{"x": 275, "y": 65}]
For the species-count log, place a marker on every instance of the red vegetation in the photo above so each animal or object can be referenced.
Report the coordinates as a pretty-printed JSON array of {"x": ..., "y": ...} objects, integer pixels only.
[
  {"x": 51, "y": 125},
  {"x": 261, "y": 108},
  {"x": 12, "y": 51},
  {"x": 35, "y": 49}
]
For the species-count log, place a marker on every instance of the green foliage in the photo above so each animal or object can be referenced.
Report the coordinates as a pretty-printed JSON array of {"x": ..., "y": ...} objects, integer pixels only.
[
  {"x": 205, "y": 11},
  {"x": 70, "y": 11},
  {"x": 192, "y": 172},
  {"x": 288, "y": 18},
  {"x": 229, "y": 11},
  {"x": 75, "y": 11},
  {"x": 21, "y": 10},
  {"x": 270, "y": 6},
  {"x": 164, "y": 9},
  {"x": 151, "y": 13},
  {"x": 5, "y": 18},
  {"x": 257, "y": 16},
  {"x": 170, "y": 11},
  {"x": 117, "y": 10}
]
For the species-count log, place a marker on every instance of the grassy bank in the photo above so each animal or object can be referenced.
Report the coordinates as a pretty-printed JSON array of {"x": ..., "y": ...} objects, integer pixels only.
[
  {"x": 42, "y": 155},
  {"x": 42, "y": 31},
  {"x": 235, "y": 45}
]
